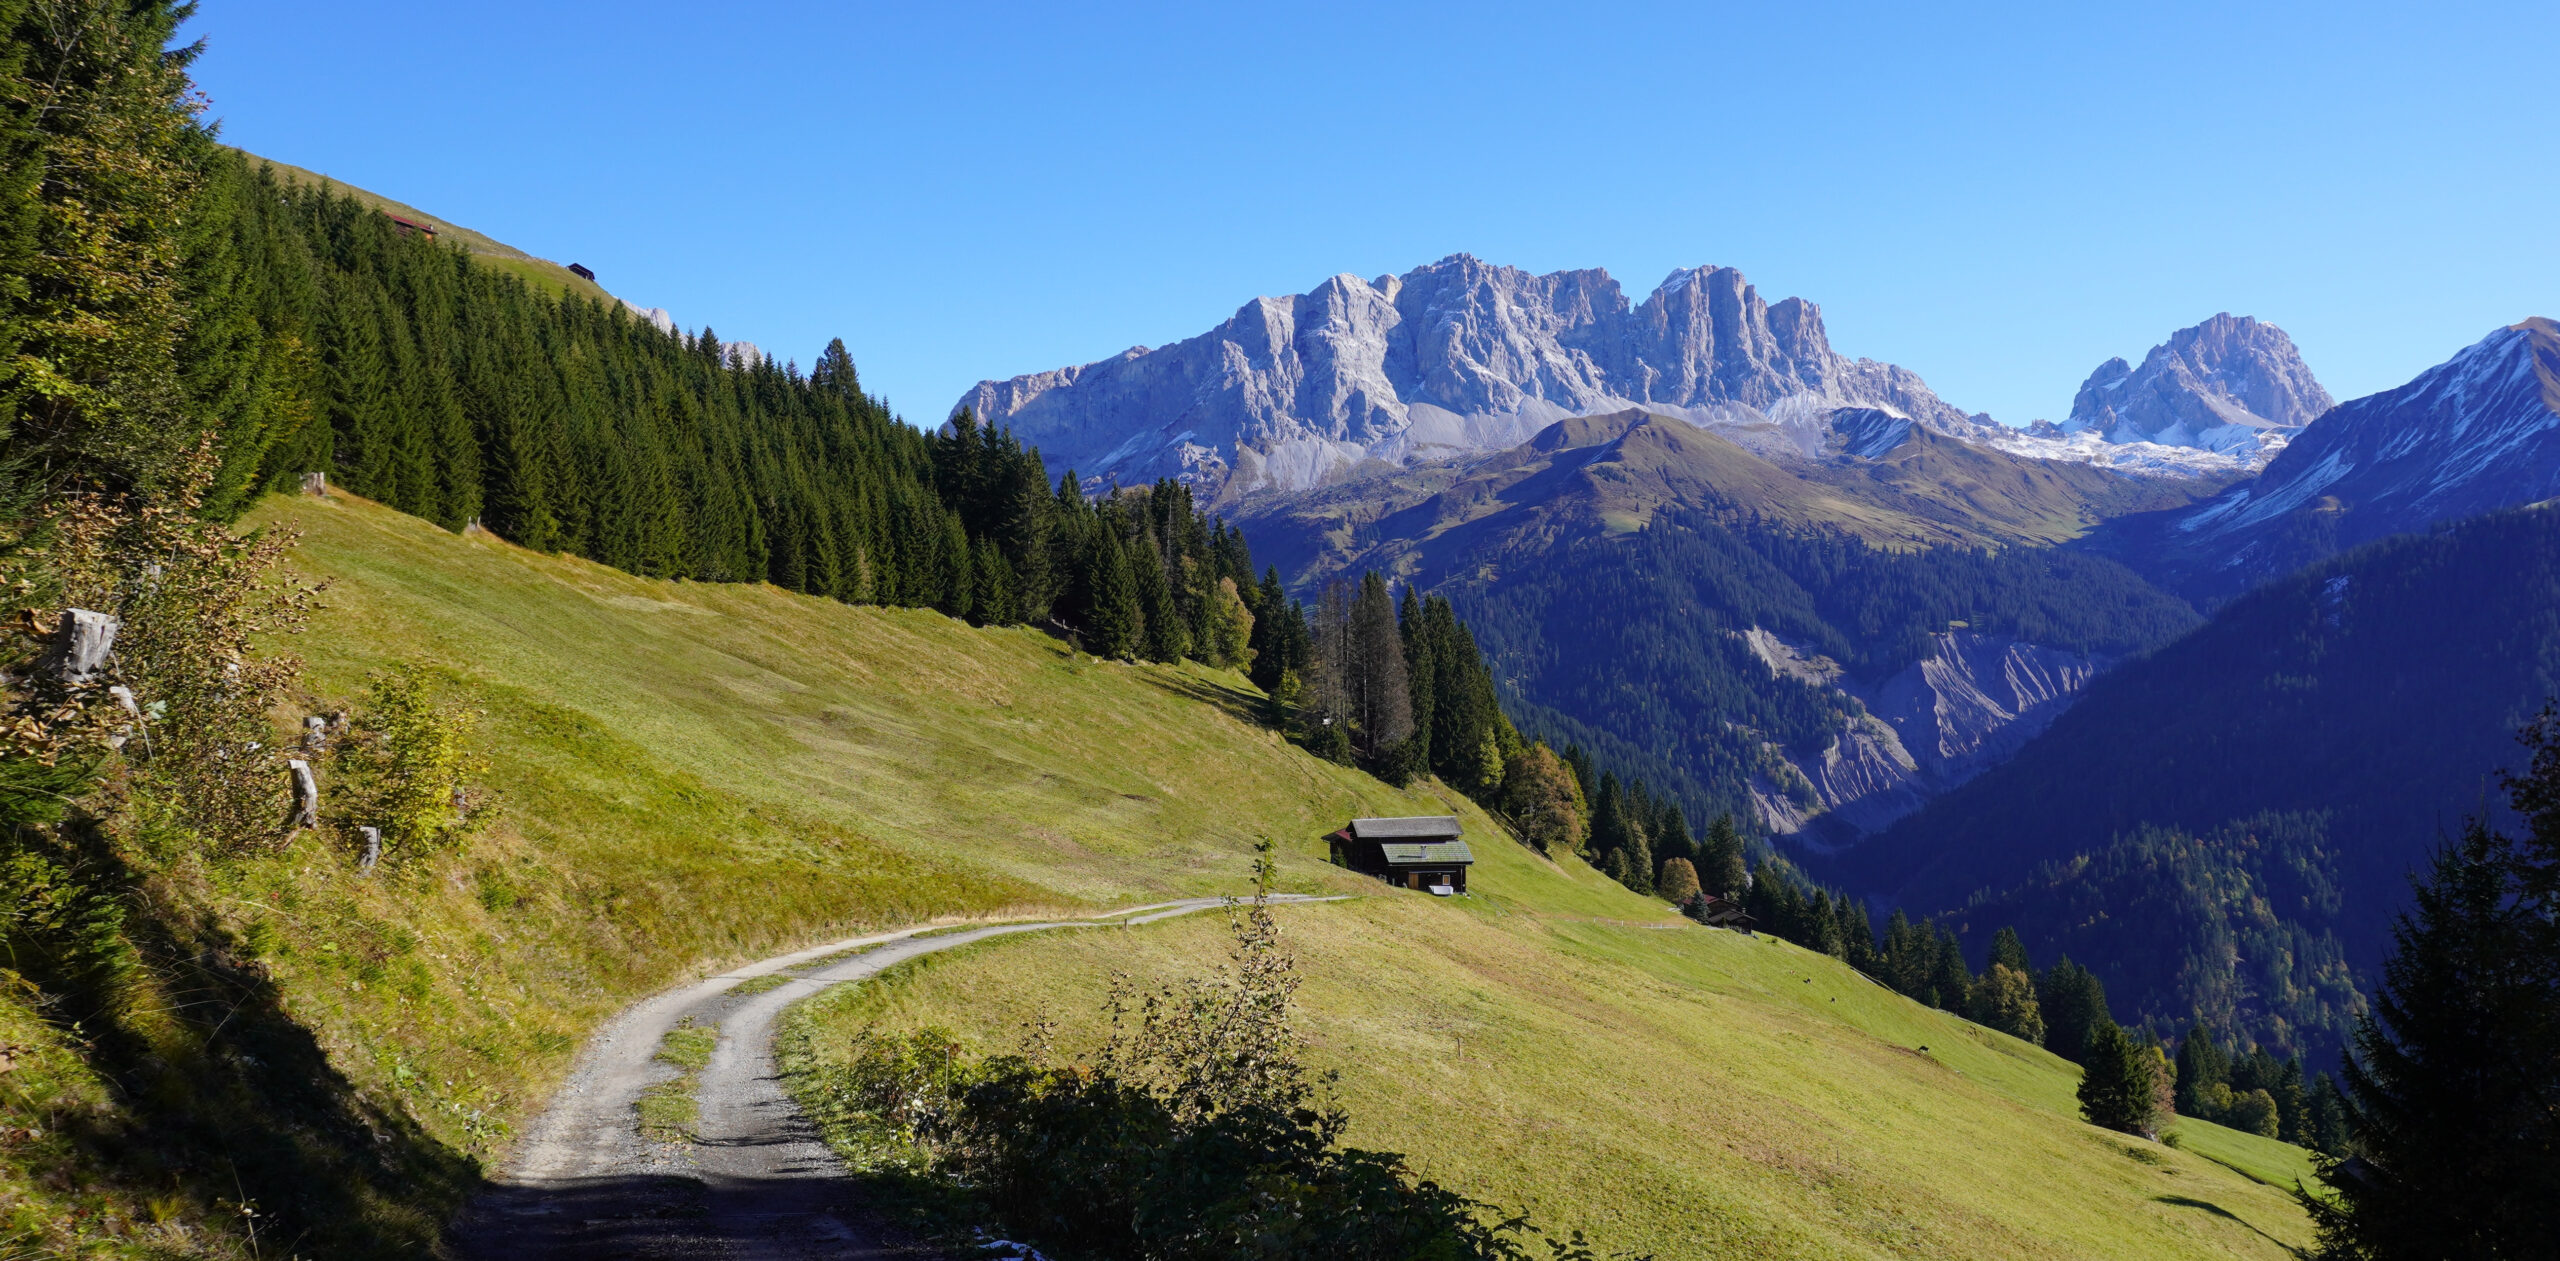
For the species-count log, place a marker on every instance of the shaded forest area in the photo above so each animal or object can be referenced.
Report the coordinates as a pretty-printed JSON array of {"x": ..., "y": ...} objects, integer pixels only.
[{"x": 1631, "y": 647}]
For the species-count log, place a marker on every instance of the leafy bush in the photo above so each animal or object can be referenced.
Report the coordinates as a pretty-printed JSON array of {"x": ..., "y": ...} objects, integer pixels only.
[{"x": 405, "y": 764}]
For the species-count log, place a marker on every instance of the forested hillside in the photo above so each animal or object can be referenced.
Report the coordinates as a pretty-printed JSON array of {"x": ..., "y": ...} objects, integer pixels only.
[
  {"x": 1610, "y": 567},
  {"x": 1632, "y": 646},
  {"x": 2221, "y": 829}
]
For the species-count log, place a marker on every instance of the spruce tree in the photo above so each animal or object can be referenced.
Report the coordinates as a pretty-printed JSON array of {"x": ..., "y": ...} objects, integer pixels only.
[
  {"x": 2202, "y": 1070},
  {"x": 2449, "y": 1092},
  {"x": 2007, "y": 949},
  {"x": 1951, "y": 982},
  {"x": 2116, "y": 1087},
  {"x": 1721, "y": 867},
  {"x": 1112, "y": 625},
  {"x": 2074, "y": 1006}
]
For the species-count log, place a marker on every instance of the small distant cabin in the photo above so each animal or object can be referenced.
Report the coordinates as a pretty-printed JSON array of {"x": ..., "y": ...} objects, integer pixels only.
[
  {"x": 411, "y": 227},
  {"x": 580, "y": 271},
  {"x": 1428, "y": 853},
  {"x": 1716, "y": 912}
]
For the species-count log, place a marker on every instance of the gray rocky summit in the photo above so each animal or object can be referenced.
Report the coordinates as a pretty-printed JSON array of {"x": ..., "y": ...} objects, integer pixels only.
[
  {"x": 2231, "y": 385},
  {"x": 1454, "y": 357}
]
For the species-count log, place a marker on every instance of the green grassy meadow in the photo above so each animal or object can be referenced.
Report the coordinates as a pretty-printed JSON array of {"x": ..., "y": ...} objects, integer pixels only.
[
  {"x": 688, "y": 776},
  {"x": 1673, "y": 1090}
]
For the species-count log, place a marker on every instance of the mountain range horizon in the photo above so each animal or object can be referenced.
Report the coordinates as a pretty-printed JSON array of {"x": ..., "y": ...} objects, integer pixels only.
[{"x": 1461, "y": 356}]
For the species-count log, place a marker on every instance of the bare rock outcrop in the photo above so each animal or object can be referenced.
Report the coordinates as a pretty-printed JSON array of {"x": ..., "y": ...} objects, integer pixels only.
[
  {"x": 1966, "y": 707},
  {"x": 1455, "y": 357},
  {"x": 2232, "y": 385}
]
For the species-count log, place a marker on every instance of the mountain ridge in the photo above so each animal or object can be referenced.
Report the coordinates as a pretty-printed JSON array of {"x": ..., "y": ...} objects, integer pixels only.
[
  {"x": 2231, "y": 384},
  {"x": 2476, "y": 433}
]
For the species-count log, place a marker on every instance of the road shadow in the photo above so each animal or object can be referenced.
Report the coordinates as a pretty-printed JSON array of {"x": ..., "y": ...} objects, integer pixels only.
[
  {"x": 659, "y": 1217},
  {"x": 223, "y": 1100}
]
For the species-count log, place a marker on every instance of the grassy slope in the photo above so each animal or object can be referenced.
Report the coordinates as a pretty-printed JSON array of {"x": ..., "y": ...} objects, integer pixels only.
[
  {"x": 694, "y": 774},
  {"x": 686, "y": 776},
  {"x": 1677, "y": 1090},
  {"x": 541, "y": 273},
  {"x": 689, "y": 775}
]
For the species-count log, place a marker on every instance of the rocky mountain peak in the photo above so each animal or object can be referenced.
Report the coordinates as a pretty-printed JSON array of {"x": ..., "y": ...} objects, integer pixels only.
[
  {"x": 1453, "y": 357},
  {"x": 2231, "y": 384}
]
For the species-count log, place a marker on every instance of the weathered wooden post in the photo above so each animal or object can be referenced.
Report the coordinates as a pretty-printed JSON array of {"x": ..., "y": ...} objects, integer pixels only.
[
  {"x": 306, "y": 794},
  {"x": 315, "y": 732},
  {"x": 372, "y": 849},
  {"x": 316, "y": 485},
  {"x": 80, "y": 646}
]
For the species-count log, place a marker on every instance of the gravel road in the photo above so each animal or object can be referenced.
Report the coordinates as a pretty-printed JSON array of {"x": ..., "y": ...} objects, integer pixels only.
[{"x": 756, "y": 1182}]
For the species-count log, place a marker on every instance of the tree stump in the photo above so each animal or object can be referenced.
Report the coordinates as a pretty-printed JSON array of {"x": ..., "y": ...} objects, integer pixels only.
[
  {"x": 372, "y": 849},
  {"x": 316, "y": 485},
  {"x": 81, "y": 643},
  {"x": 306, "y": 794},
  {"x": 315, "y": 732}
]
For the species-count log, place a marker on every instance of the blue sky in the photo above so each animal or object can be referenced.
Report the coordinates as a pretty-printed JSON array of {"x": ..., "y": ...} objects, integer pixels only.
[{"x": 1997, "y": 197}]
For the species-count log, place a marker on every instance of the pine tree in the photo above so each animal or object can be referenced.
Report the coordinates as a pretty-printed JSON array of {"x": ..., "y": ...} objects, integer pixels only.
[
  {"x": 1112, "y": 626},
  {"x": 1382, "y": 697},
  {"x": 2448, "y": 1092},
  {"x": 1950, "y": 982},
  {"x": 1721, "y": 867},
  {"x": 2116, "y": 1087},
  {"x": 1165, "y": 636},
  {"x": 2074, "y": 1004},
  {"x": 2204, "y": 1074},
  {"x": 2325, "y": 1113},
  {"x": 1272, "y": 610},
  {"x": 2008, "y": 950}
]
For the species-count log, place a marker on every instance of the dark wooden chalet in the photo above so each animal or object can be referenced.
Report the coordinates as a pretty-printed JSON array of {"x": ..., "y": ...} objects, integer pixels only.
[
  {"x": 411, "y": 227},
  {"x": 1428, "y": 853},
  {"x": 1716, "y": 912},
  {"x": 580, "y": 271}
]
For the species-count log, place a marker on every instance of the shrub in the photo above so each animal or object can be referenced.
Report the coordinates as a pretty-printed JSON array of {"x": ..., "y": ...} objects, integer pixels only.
[{"x": 405, "y": 765}]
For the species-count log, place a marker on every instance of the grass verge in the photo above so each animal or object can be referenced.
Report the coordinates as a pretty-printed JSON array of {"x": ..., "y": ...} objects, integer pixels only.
[{"x": 669, "y": 1110}]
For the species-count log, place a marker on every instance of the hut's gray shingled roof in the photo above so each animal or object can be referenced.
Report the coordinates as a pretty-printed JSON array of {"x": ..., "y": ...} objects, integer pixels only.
[
  {"x": 1402, "y": 852},
  {"x": 1421, "y": 827}
]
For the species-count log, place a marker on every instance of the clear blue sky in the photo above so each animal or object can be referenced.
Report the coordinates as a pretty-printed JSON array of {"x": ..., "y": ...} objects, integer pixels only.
[{"x": 1996, "y": 197}]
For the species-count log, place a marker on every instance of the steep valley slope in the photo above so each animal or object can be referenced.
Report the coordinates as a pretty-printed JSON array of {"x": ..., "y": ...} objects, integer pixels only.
[
  {"x": 1816, "y": 645},
  {"x": 2224, "y": 826},
  {"x": 685, "y": 775}
]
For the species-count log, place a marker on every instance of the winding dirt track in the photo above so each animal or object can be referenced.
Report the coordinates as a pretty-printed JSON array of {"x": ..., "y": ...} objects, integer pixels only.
[{"x": 757, "y": 1182}]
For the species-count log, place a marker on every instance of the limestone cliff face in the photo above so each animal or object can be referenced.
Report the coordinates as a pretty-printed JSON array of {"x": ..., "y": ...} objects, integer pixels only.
[
  {"x": 2232, "y": 385},
  {"x": 1455, "y": 357},
  {"x": 1968, "y": 706}
]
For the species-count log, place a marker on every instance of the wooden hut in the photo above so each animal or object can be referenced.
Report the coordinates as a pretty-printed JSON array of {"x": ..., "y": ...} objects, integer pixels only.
[{"x": 1428, "y": 853}]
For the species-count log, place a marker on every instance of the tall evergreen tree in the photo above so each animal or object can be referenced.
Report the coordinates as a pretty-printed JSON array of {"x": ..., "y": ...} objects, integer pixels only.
[
  {"x": 2202, "y": 1068},
  {"x": 2116, "y": 1086},
  {"x": 2450, "y": 1103},
  {"x": 2007, "y": 950},
  {"x": 1114, "y": 622},
  {"x": 1720, "y": 864},
  {"x": 2074, "y": 1004}
]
